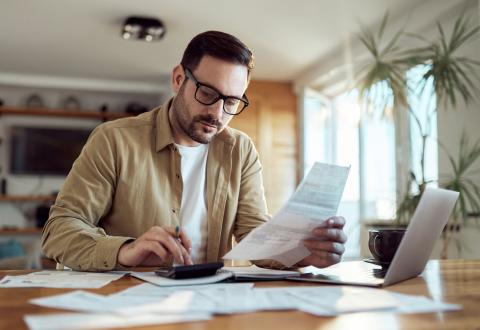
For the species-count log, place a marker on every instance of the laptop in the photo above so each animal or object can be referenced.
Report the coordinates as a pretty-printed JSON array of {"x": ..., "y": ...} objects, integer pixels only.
[{"x": 426, "y": 225}]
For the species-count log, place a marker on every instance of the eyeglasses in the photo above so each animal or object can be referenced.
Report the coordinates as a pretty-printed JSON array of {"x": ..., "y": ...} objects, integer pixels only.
[{"x": 208, "y": 95}]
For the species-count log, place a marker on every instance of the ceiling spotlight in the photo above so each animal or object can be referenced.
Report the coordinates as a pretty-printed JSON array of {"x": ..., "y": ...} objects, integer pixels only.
[{"x": 143, "y": 28}]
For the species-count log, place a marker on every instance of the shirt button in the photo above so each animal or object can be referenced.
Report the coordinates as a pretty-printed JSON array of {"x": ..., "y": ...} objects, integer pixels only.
[
  {"x": 178, "y": 176},
  {"x": 173, "y": 210}
]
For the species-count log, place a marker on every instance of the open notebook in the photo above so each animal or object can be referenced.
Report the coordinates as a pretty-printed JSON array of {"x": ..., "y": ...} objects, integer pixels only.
[{"x": 251, "y": 273}]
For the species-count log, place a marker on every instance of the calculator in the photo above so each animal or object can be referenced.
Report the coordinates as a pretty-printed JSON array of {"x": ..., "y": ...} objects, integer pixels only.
[{"x": 189, "y": 271}]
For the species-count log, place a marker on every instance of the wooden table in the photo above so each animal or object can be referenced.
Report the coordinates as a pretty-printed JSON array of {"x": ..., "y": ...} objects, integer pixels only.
[{"x": 452, "y": 281}]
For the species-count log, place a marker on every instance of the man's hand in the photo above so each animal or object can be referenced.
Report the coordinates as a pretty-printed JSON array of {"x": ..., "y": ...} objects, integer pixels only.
[
  {"x": 327, "y": 245},
  {"x": 156, "y": 247}
]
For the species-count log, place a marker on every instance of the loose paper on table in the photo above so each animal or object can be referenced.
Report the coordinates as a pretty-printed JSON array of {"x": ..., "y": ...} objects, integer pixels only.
[
  {"x": 315, "y": 200},
  {"x": 241, "y": 298},
  {"x": 60, "y": 279}
]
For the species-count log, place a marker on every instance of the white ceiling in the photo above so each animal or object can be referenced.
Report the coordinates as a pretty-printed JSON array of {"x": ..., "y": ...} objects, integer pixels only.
[{"x": 81, "y": 39}]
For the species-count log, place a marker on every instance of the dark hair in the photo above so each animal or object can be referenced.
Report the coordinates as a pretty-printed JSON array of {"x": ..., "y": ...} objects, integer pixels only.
[{"x": 217, "y": 44}]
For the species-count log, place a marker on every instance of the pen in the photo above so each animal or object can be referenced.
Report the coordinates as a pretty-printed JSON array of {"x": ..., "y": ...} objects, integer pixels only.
[{"x": 177, "y": 232}]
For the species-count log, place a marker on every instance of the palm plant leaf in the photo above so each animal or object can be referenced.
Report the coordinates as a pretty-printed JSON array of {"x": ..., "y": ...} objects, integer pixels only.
[
  {"x": 449, "y": 75},
  {"x": 387, "y": 65},
  {"x": 469, "y": 200},
  {"x": 453, "y": 78}
]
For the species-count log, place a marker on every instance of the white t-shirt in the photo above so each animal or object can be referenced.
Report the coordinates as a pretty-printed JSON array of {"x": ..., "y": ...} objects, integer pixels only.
[{"x": 193, "y": 209}]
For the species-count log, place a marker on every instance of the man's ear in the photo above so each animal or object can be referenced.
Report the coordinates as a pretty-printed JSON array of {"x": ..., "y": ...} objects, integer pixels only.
[{"x": 178, "y": 75}]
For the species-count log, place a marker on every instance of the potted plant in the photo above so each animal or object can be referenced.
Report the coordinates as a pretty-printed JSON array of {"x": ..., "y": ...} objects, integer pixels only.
[{"x": 453, "y": 78}]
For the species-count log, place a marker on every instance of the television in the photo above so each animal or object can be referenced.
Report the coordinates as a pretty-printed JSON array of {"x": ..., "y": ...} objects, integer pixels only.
[{"x": 45, "y": 151}]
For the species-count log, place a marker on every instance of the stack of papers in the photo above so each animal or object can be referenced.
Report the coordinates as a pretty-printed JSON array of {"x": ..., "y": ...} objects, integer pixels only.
[
  {"x": 60, "y": 279},
  {"x": 150, "y": 304},
  {"x": 102, "y": 321}
]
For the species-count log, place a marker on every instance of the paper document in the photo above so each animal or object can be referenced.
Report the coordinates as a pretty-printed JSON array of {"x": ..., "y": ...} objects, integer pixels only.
[
  {"x": 147, "y": 290},
  {"x": 257, "y": 273},
  {"x": 145, "y": 298},
  {"x": 77, "y": 321},
  {"x": 315, "y": 200},
  {"x": 151, "y": 277},
  {"x": 60, "y": 279},
  {"x": 418, "y": 304},
  {"x": 335, "y": 300},
  {"x": 150, "y": 304}
]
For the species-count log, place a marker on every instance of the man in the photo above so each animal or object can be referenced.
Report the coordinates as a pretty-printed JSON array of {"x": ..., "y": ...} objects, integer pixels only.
[{"x": 178, "y": 166}]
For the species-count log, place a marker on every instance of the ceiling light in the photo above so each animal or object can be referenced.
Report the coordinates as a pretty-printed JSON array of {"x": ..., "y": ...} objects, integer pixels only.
[{"x": 143, "y": 28}]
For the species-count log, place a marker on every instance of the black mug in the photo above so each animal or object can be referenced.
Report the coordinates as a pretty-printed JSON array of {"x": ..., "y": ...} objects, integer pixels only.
[{"x": 383, "y": 242}]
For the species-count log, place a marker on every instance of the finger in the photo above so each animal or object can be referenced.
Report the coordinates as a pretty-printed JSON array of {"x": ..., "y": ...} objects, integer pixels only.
[
  {"x": 336, "y": 222},
  {"x": 154, "y": 247},
  {"x": 324, "y": 260},
  {"x": 330, "y": 258},
  {"x": 152, "y": 260},
  {"x": 156, "y": 231},
  {"x": 182, "y": 236},
  {"x": 327, "y": 246},
  {"x": 186, "y": 256},
  {"x": 163, "y": 235},
  {"x": 330, "y": 234},
  {"x": 333, "y": 222},
  {"x": 186, "y": 242},
  {"x": 174, "y": 247}
]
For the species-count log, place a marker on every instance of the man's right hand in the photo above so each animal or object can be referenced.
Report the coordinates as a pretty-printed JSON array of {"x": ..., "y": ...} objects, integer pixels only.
[{"x": 156, "y": 247}]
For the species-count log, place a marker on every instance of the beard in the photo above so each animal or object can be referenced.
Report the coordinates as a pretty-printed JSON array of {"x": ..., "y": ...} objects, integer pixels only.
[{"x": 199, "y": 128}]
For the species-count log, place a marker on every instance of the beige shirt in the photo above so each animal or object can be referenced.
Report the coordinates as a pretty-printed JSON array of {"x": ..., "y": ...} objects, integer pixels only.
[{"x": 128, "y": 179}]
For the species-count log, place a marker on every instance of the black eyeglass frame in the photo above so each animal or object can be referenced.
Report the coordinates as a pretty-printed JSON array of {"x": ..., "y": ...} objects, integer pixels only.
[{"x": 198, "y": 84}]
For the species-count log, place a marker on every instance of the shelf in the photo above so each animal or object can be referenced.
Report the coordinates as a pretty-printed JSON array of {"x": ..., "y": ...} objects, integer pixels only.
[
  {"x": 62, "y": 113},
  {"x": 20, "y": 231},
  {"x": 27, "y": 198}
]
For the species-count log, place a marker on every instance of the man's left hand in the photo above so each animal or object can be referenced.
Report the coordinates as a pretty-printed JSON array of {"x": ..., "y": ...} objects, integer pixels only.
[{"x": 326, "y": 245}]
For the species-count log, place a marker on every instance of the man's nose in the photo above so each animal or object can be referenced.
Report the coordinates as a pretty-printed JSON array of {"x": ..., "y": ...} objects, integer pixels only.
[{"x": 216, "y": 109}]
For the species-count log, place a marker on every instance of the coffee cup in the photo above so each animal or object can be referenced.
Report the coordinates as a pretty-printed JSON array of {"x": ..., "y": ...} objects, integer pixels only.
[{"x": 383, "y": 242}]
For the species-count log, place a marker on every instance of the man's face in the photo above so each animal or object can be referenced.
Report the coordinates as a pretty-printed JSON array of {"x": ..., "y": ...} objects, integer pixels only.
[{"x": 193, "y": 122}]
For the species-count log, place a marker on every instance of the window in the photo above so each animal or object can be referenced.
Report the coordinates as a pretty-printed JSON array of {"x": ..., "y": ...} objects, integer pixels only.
[
  {"x": 317, "y": 130},
  {"x": 344, "y": 132},
  {"x": 340, "y": 132},
  {"x": 422, "y": 122}
]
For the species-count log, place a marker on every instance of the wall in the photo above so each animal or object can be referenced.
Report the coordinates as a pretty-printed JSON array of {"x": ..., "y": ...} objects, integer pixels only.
[
  {"x": 271, "y": 122},
  {"x": 452, "y": 122}
]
